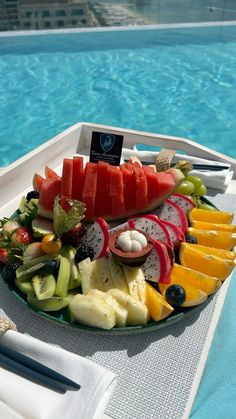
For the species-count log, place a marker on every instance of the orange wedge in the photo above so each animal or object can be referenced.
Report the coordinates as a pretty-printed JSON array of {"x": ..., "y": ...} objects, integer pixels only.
[
  {"x": 157, "y": 306},
  {"x": 213, "y": 238},
  {"x": 220, "y": 253},
  {"x": 208, "y": 264},
  {"x": 181, "y": 275},
  {"x": 203, "y": 225},
  {"x": 219, "y": 217},
  {"x": 194, "y": 296}
]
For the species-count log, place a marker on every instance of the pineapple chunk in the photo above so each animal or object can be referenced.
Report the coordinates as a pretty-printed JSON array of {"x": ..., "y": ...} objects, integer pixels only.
[
  {"x": 86, "y": 268},
  {"x": 137, "y": 311},
  {"x": 92, "y": 311},
  {"x": 120, "y": 312},
  {"x": 117, "y": 275},
  {"x": 136, "y": 283},
  {"x": 102, "y": 275}
]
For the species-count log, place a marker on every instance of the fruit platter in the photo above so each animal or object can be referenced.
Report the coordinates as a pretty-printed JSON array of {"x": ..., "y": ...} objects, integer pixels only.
[{"x": 113, "y": 249}]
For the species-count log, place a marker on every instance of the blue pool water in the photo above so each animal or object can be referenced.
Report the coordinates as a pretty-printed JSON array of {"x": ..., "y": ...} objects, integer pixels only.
[{"x": 172, "y": 81}]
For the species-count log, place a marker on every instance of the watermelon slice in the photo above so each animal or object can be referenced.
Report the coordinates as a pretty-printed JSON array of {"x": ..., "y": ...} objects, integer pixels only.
[
  {"x": 90, "y": 188},
  {"x": 38, "y": 182},
  {"x": 116, "y": 191},
  {"x": 141, "y": 187},
  {"x": 102, "y": 200},
  {"x": 50, "y": 189},
  {"x": 77, "y": 178},
  {"x": 66, "y": 180},
  {"x": 50, "y": 173},
  {"x": 129, "y": 186},
  {"x": 152, "y": 181}
]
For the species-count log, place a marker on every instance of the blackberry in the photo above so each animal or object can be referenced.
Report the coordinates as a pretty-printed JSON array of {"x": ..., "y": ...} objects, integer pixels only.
[
  {"x": 84, "y": 252},
  {"x": 190, "y": 239},
  {"x": 175, "y": 295},
  {"x": 32, "y": 195},
  {"x": 9, "y": 272}
]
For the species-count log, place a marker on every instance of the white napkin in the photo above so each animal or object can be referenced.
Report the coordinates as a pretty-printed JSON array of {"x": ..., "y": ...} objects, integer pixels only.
[
  {"x": 212, "y": 179},
  {"x": 20, "y": 398}
]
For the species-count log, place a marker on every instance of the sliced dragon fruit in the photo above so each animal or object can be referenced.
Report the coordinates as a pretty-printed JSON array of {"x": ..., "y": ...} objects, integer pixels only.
[
  {"x": 170, "y": 211},
  {"x": 151, "y": 225},
  {"x": 96, "y": 238},
  {"x": 176, "y": 234},
  {"x": 183, "y": 201},
  {"x": 158, "y": 264}
]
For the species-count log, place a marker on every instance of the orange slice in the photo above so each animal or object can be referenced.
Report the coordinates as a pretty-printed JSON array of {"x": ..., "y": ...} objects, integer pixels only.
[
  {"x": 194, "y": 296},
  {"x": 208, "y": 264},
  {"x": 220, "y": 253},
  {"x": 219, "y": 217},
  {"x": 213, "y": 226},
  {"x": 157, "y": 306},
  {"x": 213, "y": 238},
  {"x": 181, "y": 275}
]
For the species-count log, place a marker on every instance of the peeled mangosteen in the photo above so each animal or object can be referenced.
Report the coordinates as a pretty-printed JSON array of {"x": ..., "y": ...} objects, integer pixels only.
[{"x": 135, "y": 257}]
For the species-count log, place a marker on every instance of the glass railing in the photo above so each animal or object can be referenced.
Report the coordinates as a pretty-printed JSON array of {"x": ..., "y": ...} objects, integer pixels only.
[{"x": 31, "y": 14}]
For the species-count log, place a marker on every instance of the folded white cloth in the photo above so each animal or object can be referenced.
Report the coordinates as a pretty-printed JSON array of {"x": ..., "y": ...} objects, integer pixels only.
[
  {"x": 21, "y": 398},
  {"x": 211, "y": 178}
]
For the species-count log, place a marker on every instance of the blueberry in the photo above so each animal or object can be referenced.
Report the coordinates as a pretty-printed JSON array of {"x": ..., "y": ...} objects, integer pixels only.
[
  {"x": 9, "y": 272},
  {"x": 32, "y": 195},
  {"x": 52, "y": 267},
  {"x": 190, "y": 239},
  {"x": 175, "y": 295},
  {"x": 84, "y": 252}
]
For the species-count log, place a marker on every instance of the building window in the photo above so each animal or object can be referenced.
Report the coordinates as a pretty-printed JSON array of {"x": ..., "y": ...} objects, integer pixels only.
[
  {"x": 60, "y": 13},
  {"x": 27, "y": 25},
  {"x": 28, "y": 14},
  {"x": 45, "y": 13},
  {"x": 77, "y": 12},
  {"x": 60, "y": 23},
  {"x": 74, "y": 22},
  {"x": 47, "y": 24}
]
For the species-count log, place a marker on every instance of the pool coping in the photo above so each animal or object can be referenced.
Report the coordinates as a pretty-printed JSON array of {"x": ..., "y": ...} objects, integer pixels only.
[{"x": 116, "y": 29}]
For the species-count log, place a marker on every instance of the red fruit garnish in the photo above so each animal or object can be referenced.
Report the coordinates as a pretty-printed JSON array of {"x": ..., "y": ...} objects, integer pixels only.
[
  {"x": 4, "y": 255},
  {"x": 73, "y": 236},
  {"x": 21, "y": 236}
]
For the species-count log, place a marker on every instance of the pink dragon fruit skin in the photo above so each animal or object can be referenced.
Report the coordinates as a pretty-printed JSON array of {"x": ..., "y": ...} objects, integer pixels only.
[
  {"x": 158, "y": 264},
  {"x": 170, "y": 211},
  {"x": 183, "y": 201},
  {"x": 96, "y": 238},
  {"x": 176, "y": 234},
  {"x": 151, "y": 225}
]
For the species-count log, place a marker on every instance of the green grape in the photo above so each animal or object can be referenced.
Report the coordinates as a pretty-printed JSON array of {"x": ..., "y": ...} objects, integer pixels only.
[
  {"x": 207, "y": 207},
  {"x": 202, "y": 190},
  {"x": 195, "y": 180},
  {"x": 185, "y": 187}
]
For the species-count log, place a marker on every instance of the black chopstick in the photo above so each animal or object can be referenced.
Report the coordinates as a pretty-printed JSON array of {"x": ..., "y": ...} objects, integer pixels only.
[
  {"x": 35, "y": 369},
  {"x": 198, "y": 166}
]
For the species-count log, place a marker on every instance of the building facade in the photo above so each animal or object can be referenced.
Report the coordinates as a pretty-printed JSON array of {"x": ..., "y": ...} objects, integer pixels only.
[{"x": 45, "y": 14}]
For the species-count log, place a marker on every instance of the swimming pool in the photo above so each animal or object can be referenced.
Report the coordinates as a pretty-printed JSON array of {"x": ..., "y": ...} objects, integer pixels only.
[{"x": 176, "y": 81}]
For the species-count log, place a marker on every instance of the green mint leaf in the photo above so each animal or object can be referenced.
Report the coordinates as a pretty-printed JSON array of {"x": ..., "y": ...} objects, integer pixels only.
[{"x": 65, "y": 221}]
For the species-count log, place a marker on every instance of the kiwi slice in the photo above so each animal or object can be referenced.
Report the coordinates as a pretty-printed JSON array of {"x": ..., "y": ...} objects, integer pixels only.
[
  {"x": 75, "y": 280},
  {"x": 24, "y": 286},
  {"x": 63, "y": 277},
  {"x": 33, "y": 265},
  {"x": 50, "y": 304},
  {"x": 44, "y": 286}
]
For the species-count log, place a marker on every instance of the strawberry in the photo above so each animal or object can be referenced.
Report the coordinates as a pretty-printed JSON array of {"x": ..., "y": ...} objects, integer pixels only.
[
  {"x": 4, "y": 255},
  {"x": 21, "y": 236}
]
